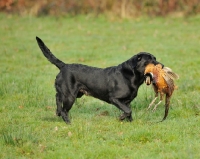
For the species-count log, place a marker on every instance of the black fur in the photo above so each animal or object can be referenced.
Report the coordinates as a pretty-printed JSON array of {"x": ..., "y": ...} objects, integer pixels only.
[{"x": 117, "y": 85}]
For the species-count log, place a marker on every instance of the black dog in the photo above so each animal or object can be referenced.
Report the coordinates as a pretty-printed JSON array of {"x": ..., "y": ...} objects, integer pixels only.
[{"x": 117, "y": 85}]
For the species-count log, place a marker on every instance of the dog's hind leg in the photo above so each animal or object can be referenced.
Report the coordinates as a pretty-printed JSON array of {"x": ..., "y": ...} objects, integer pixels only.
[
  {"x": 67, "y": 105},
  {"x": 59, "y": 95},
  {"x": 59, "y": 104}
]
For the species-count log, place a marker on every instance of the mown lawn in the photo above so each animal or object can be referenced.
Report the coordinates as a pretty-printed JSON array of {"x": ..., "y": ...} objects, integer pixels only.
[{"x": 29, "y": 127}]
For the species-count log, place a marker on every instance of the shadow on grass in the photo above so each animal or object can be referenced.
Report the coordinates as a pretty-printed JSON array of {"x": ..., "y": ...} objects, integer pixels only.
[{"x": 52, "y": 119}]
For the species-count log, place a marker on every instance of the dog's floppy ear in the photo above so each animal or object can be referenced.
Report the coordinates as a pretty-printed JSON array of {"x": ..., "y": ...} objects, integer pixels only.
[{"x": 135, "y": 60}]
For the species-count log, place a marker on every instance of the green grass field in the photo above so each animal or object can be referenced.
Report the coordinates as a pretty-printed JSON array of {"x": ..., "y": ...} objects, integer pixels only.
[{"x": 29, "y": 127}]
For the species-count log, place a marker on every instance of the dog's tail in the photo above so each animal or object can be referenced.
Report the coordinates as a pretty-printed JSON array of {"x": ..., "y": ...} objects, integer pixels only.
[{"x": 47, "y": 53}]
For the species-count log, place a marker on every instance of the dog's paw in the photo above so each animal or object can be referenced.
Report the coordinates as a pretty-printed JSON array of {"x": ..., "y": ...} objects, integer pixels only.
[
  {"x": 129, "y": 118},
  {"x": 58, "y": 113},
  {"x": 66, "y": 119},
  {"x": 126, "y": 116},
  {"x": 122, "y": 117}
]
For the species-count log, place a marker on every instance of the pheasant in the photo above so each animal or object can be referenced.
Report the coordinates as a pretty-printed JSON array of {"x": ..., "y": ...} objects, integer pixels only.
[{"x": 162, "y": 80}]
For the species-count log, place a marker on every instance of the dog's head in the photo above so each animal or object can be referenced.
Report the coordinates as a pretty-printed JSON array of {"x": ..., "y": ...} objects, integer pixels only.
[{"x": 141, "y": 60}]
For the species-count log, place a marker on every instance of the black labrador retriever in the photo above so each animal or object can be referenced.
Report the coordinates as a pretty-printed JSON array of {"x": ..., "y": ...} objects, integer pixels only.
[{"x": 117, "y": 85}]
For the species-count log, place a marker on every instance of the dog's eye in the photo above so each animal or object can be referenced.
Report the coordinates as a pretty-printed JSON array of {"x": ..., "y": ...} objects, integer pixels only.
[{"x": 139, "y": 58}]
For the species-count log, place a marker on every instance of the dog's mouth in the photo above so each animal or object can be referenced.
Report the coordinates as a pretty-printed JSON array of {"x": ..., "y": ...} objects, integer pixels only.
[{"x": 156, "y": 63}]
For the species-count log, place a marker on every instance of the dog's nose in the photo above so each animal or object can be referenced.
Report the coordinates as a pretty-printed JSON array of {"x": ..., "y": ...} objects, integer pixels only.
[
  {"x": 162, "y": 65},
  {"x": 156, "y": 62}
]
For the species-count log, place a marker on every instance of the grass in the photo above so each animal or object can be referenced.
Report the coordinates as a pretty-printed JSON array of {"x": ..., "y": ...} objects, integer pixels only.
[{"x": 29, "y": 127}]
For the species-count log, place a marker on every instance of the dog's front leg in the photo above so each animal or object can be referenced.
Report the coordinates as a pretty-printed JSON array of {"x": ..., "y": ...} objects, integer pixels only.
[
  {"x": 124, "y": 115},
  {"x": 126, "y": 109}
]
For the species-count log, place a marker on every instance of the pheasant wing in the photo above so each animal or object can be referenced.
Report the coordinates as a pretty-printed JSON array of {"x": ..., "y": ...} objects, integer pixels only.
[
  {"x": 169, "y": 81},
  {"x": 170, "y": 74}
]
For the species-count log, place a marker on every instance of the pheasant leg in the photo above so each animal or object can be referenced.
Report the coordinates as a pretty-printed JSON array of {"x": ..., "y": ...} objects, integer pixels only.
[
  {"x": 156, "y": 106},
  {"x": 153, "y": 101}
]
